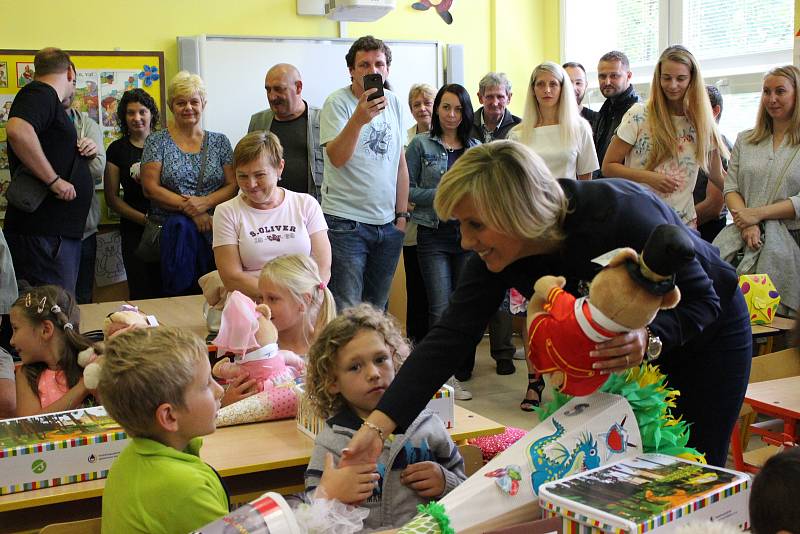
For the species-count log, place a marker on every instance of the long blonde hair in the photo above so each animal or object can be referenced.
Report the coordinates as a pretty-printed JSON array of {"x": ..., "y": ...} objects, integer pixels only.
[
  {"x": 568, "y": 115},
  {"x": 299, "y": 274},
  {"x": 696, "y": 106},
  {"x": 764, "y": 127}
]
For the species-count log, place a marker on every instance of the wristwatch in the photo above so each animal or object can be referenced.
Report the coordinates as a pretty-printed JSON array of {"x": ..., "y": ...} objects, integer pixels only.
[
  {"x": 402, "y": 215},
  {"x": 654, "y": 346}
]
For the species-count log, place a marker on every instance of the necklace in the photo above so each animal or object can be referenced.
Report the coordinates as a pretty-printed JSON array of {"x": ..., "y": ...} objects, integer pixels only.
[{"x": 449, "y": 148}]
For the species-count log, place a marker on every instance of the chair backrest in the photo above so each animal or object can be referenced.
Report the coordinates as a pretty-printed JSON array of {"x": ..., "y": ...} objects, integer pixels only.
[
  {"x": 87, "y": 526},
  {"x": 781, "y": 364}
]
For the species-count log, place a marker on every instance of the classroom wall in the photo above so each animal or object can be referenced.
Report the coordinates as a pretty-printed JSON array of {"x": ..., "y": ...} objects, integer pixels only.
[{"x": 509, "y": 35}]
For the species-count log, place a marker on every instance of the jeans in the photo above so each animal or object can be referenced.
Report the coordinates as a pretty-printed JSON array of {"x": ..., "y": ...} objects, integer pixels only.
[
  {"x": 85, "y": 282},
  {"x": 45, "y": 259},
  {"x": 365, "y": 258},
  {"x": 441, "y": 260}
]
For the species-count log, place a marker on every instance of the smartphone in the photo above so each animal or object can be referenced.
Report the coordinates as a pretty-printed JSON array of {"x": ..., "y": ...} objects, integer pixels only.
[{"x": 373, "y": 81}]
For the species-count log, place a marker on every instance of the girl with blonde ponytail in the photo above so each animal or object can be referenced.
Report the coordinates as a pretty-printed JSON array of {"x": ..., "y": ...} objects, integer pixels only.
[{"x": 300, "y": 300}]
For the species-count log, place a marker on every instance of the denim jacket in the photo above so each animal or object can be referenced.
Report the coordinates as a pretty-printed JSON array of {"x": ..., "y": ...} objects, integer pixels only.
[
  {"x": 263, "y": 120},
  {"x": 426, "y": 158}
]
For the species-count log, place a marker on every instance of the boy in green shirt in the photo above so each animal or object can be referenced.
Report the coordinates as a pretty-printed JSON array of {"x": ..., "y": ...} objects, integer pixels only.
[{"x": 157, "y": 384}]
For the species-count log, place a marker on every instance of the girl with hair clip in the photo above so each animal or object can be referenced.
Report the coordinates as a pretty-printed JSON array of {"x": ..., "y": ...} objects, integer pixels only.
[
  {"x": 553, "y": 127},
  {"x": 663, "y": 144},
  {"x": 299, "y": 298},
  {"x": 44, "y": 322}
]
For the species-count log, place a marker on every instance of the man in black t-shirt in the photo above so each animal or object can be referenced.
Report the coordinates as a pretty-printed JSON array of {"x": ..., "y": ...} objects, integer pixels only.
[{"x": 45, "y": 245}]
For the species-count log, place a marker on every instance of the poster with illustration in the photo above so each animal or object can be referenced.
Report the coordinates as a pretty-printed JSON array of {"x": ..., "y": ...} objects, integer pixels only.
[
  {"x": 112, "y": 85},
  {"x": 86, "y": 94},
  {"x": 3, "y": 74},
  {"x": 108, "y": 267},
  {"x": 24, "y": 73},
  {"x": 5, "y": 109}
]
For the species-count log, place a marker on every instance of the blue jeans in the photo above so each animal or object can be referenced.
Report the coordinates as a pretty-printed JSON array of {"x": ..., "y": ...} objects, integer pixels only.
[
  {"x": 365, "y": 258},
  {"x": 441, "y": 260},
  {"x": 45, "y": 259}
]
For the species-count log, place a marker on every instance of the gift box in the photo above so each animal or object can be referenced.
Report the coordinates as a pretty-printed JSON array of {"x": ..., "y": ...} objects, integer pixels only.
[
  {"x": 269, "y": 514},
  {"x": 584, "y": 433},
  {"x": 648, "y": 493},
  {"x": 761, "y": 297},
  {"x": 58, "y": 448},
  {"x": 442, "y": 404}
]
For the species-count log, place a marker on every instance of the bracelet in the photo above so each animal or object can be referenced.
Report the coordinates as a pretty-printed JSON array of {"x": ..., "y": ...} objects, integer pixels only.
[
  {"x": 376, "y": 428},
  {"x": 57, "y": 178}
]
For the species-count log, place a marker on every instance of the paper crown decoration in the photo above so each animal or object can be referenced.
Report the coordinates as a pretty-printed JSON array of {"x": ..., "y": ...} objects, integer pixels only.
[{"x": 761, "y": 297}]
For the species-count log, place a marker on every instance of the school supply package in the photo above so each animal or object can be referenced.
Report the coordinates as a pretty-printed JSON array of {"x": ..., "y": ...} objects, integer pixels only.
[
  {"x": 58, "y": 448},
  {"x": 647, "y": 493}
]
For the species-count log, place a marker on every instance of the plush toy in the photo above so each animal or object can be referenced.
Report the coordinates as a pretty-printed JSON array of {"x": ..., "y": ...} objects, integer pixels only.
[
  {"x": 126, "y": 318},
  {"x": 624, "y": 296},
  {"x": 247, "y": 331}
]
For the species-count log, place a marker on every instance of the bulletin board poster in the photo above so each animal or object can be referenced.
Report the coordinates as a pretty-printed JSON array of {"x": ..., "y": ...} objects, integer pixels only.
[{"x": 102, "y": 78}]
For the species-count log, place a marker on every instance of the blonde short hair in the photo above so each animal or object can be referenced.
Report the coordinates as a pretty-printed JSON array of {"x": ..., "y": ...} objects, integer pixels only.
[
  {"x": 255, "y": 144},
  {"x": 511, "y": 188},
  {"x": 145, "y": 368},
  {"x": 185, "y": 84},
  {"x": 321, "y": 370},
  {"x": 299, "y": 275},
  {"x": 420, "y": 89}
]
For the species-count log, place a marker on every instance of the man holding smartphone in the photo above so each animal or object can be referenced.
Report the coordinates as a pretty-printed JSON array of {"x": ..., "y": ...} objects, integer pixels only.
[{"x": 365, "y": 192}]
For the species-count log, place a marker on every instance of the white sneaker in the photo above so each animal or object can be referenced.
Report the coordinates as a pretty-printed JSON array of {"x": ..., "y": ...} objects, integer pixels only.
[{"x": 458, "y": 390}]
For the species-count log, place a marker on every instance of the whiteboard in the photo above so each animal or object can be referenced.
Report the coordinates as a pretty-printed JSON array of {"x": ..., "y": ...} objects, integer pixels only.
[{"x": 234, "y": 68}]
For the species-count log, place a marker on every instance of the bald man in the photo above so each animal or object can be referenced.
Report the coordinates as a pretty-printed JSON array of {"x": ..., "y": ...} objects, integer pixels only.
[{"x": 296, "y": 124}]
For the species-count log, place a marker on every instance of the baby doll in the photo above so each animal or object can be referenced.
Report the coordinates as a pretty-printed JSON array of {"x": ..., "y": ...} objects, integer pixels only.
[
  {"x": 247, "y": 332},
  {"x": 623, "y": 297}
]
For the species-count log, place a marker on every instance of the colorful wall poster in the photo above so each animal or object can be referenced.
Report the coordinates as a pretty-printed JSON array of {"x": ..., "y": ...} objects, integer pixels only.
[{"x": 24, "y": 73}]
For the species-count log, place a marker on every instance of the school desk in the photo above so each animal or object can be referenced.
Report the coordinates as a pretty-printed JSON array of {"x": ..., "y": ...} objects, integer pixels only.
[
  {"x": 252, "y": 459},
  {"x": 777, "y": 398}
]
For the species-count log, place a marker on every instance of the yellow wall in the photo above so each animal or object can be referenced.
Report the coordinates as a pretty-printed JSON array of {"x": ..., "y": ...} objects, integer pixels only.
[{"x": 510, "y": 35}]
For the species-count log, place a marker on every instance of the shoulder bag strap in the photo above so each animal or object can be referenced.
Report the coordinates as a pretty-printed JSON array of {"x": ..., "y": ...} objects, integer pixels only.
[{"x": 782, "y": 176}]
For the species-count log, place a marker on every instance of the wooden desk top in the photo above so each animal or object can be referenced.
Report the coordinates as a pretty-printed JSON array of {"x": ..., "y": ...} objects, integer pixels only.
[
  {"x": 184, "y": 312},
  {"x": 92, "y": 315},
  {"x": 764, "y": 330},
  {"x": 780, "y": 397},
  {"x": 239, "y": 450}
]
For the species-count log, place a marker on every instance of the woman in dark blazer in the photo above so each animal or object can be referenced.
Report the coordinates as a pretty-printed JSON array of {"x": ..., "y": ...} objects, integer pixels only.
[{"x": 524, "y": 224}]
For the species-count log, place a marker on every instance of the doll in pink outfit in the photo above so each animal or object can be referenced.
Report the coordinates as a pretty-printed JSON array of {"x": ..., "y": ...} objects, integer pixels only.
[{"x": 247, "y": 332}]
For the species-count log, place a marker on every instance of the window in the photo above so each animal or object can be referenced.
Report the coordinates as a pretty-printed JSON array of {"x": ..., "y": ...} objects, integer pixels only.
[{"x": 735, "y": 41}]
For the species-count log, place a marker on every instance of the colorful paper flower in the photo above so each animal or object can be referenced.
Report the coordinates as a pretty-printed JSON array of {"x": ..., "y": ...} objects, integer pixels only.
[{"x": 149, "y": 75}]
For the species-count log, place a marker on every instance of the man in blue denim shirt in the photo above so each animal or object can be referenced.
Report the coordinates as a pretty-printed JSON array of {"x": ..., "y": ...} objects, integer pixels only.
[{"x": 365, "y": 192}]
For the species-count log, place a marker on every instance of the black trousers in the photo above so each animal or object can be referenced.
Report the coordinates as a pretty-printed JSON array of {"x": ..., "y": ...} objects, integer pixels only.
[{"x": 711, "y": 375}]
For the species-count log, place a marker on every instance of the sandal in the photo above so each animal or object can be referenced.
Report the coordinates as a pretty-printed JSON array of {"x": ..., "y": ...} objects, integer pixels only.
[{"x": 528, "y": 405}]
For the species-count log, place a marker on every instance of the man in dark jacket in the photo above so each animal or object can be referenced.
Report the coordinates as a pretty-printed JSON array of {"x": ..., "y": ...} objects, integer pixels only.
[
  {"x": 614, "y": 74},
  {"x": 493, "y": 120}
]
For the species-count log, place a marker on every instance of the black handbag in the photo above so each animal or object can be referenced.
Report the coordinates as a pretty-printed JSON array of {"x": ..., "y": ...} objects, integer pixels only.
[
  {"x": 149, "y": 247},
  {"x": 26, "y": 192}
]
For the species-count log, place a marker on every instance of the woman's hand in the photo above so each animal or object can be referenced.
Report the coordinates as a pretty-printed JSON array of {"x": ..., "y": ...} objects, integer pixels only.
[
  {"x": 752, "y": 237},
  {"x": 239, "y": 388},
  {"x": 744, "y": 217},
  {"x": 194, "y": 206},
  {"x": 663, "y": 183},
  {"x": 365, "y": 446},
  {"x": 203, "y": 222},
  {"x": 351, "y": 484},
  {"x": 621, "y": 352},
  {"x": 426, "y": 478}
]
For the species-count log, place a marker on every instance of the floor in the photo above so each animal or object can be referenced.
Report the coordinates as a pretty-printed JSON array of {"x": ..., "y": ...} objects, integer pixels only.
[{"x": 498, "y": 397}]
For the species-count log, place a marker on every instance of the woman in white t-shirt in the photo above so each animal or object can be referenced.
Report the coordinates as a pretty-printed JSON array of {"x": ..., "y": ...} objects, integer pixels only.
[
  {"x": 663, "y": 144},
  {"x": 553, "y": 127},
  {"x": 265, "y": 221}
]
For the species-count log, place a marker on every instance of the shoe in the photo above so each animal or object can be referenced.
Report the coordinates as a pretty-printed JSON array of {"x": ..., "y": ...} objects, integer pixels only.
[
  {"x": 527, "y": 405},
  {"x": 519, "y": 354},
  {"x": 458, "y": 390},
  {"x": 463, "y": 377},
  {"x": 505, "y": 367}
]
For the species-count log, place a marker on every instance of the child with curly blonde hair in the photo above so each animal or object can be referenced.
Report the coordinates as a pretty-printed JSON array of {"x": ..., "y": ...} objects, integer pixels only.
[{"x": 350, "y": 365}]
